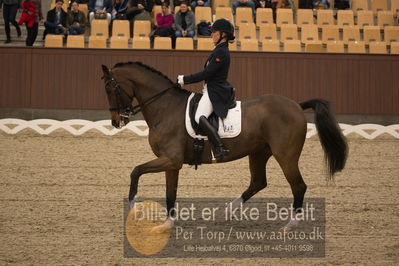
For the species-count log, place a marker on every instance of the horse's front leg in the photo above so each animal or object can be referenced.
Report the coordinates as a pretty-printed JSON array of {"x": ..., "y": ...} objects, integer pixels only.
[
  {"x": 160, "y": 164},
  {"x": 172, "y": 177}
]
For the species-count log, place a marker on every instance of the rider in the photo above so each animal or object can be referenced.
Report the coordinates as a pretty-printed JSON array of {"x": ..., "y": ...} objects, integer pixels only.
[{"x": 217, "y": 92}]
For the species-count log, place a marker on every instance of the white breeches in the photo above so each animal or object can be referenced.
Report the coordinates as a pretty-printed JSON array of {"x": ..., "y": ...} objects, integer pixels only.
[{"x": 205, "y": 107}]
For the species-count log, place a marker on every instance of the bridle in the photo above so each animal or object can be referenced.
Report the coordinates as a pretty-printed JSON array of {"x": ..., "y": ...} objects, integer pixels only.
[{"x": 130, "y": 110}]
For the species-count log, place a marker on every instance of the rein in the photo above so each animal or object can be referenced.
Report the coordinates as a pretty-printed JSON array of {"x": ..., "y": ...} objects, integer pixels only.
[{"x": 131, "y": 110}]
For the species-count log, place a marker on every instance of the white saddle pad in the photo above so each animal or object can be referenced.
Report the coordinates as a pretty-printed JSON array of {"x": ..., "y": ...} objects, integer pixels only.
[{"x": 229, "y": 127}]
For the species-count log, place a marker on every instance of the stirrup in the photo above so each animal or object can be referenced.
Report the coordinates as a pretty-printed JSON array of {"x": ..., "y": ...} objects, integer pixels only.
[{"x": 221, "y": 153}]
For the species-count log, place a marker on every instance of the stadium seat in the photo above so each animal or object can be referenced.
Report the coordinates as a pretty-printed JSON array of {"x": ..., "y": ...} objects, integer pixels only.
[
  {"x": 120, "y": 34},
  {"x": 377, "y": 48},
  {"x": 163, "y": 43},
  {"x": 221, "y": 3},
  {"x": 53, "y": 40},
  {"x": 395, "y": 6},
  {"x": 205, "y": 44},
  {"x": 351, "y": 34},
  {"x": 267, "y": 31},
  {"x": 310, "y": 33},
  {"x": 97, "y": 41},
  {"x": 249, "y": 45},
  {"x": 305, "y": 17},
  {"x": 314, "y": 47},
  {"x": 356, "y": 47},
  {"x": 224, "y": 12},
  {"x": 84, "y": 8},
  {"x": 371, "y": 34},
  {"x": 391, "y": 34},
  {"x": 243, "y": 15},
  {"x": 119, "y": 42},
  {"x": 330, "y": 33},
  {"x": 203, "y": 13},
  {"x": 76, "y": 41},
  {"x": 289, "y": 32},
  {"x": 270, "y": 46},
  {"x": 264, "y": 16},
  {"x": 292, "y": 46},
  {"x": 365, "y": 18},
  {"x": 142, "y": 28},
  {"x": 284, "y": 16},
  {"x": 358, "y": 5},
  {"x": 394, "y": 47},
  {"x": 247, "y": 31},
  {"x": 325, "y": 17},
  {"x": 99, "y": 27},
  {"x": 120, "y": 28},
  {"x": 378, "y": 5},
  {"x": 335, "y": 47},
  {"x": 345, "y": 18},
  {"x": 385, "y": 18},
  {"x": 183, "y": 43},
  {"x": 141, "y": 43}
]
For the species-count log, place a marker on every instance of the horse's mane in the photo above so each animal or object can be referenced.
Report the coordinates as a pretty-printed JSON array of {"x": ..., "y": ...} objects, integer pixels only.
[{"x": 145, "y": 67}]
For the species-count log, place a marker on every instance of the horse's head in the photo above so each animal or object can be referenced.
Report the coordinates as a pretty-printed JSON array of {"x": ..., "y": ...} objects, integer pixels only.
[{"x": 120, "y": 97}]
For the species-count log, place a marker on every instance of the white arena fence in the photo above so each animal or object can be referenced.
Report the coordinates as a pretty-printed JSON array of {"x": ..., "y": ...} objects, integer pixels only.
[{"x": 139, "y": 127}]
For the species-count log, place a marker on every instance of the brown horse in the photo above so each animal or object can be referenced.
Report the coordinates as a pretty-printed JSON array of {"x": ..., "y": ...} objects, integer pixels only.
[{"x": 271, "y": 125}]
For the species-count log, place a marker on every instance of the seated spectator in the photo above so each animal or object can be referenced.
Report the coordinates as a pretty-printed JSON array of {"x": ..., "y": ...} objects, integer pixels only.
[
  {"x": 243, "y": 3},
  {"x": 56, "y": 20},
  {"x": 76, "y": 20},
  {"x": 119, "y": 9},
  {"x": 100, "y": 9},
  {"x": 196, "y": 3},
  {"x": 164, "y": 25},
  {"x": 139, "y": 7},
  {"x": 184, "y": 22},
  {"x": 164, "y": 22}
]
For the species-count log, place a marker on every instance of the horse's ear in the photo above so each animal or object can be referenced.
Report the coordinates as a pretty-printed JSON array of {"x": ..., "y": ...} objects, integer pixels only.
[{"x": 105, "y": 70}]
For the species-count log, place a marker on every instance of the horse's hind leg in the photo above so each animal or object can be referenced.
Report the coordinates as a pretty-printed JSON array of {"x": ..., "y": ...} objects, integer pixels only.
[
  {"x": 257, "y": 167},
  {"x": 298, "y": 186}
]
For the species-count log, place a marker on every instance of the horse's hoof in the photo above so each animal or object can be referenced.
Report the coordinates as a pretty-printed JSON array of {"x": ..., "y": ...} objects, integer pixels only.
[
  {"x": 165, "y": 227},
  {"x": 160, "y": 229},
  {"x": 291, "y": 226}
]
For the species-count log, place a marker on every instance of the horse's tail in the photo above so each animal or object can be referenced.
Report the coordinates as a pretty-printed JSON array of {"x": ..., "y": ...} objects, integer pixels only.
[{"x": 331, "y": 137}]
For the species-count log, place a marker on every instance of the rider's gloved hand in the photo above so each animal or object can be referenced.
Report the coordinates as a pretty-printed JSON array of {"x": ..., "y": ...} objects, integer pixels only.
[{"x": 180, "y": 79}]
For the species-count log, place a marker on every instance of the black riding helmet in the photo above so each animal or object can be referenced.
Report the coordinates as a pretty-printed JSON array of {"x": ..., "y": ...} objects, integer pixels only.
[{"x": 223, "y": 25}]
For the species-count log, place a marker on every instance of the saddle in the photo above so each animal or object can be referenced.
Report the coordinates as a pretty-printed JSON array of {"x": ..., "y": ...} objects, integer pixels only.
[{"x": 213, "y": 120}]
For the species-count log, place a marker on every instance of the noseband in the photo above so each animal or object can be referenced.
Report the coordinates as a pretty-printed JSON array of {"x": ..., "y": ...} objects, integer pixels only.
[{"x": 130, "y": 110}]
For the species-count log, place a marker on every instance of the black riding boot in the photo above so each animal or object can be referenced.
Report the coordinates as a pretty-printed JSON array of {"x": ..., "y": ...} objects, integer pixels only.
[{"x": 219, "y": 151}]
